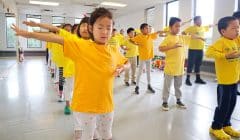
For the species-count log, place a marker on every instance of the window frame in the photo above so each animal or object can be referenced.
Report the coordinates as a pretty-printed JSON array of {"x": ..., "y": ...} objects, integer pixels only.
[
  {"x": 6, "y": 25},
  {"x": 167, "y": 10},
  {"x": 146, "y": 13},
  {"x": 58, "y": 23}
]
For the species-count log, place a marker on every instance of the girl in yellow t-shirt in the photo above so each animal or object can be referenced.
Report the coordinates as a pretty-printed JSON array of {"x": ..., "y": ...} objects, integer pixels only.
[
  {"x": 96, "y": 65},
  {"x": 82, "y": 32}
]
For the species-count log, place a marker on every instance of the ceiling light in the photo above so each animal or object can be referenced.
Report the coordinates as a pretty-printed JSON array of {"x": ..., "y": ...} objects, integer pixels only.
[
  {"x": 113, "y": 4},
  {"x": 44, "y": 3}
]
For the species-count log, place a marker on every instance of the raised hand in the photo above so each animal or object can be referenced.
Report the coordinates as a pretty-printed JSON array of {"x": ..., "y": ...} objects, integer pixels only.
[
  {"x": 20, "y": 32},
  {"x": 31, "y": 23},
  {"x": 118, "y": 70}
]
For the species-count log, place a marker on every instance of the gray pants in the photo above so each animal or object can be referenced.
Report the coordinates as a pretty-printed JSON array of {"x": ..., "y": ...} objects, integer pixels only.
[
  {"x": 167, "y": 86},
  {"x": 133, "y": 62},
  {"x": 140, "y": 70}
]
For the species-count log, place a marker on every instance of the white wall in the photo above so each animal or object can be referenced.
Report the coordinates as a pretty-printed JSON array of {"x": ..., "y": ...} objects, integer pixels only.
[
  {"x": 222, "y": 8},
  {"x": 132, "y": 20}
]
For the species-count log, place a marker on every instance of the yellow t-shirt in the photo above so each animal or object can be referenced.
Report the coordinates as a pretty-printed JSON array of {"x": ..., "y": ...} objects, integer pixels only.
[
  {"x": 114, "y": 41},
  {"x": 167, "y": 30},
  {"x": 68, "y": 68},
  {"x": 120, "y": 38},
  {"x": 145, "y": 45},
  {"x": 57, "y": 54},
  {"x": 197, "y": 44},
  {"x": 132, "y": 49},
  {"x": 94, "y": 74},
  {"x": 175, "y": 58},
  {"x": 227, "y": 70}
]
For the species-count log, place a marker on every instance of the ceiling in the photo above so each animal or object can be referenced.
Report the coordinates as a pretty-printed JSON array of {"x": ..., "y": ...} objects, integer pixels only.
[{"x": 77, "y": 8}]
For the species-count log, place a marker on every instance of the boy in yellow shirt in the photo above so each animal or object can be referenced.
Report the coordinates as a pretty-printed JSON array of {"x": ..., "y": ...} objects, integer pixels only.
[
  {"x": 237, "y": 15},
  {"x": 145, "y": 48},
  {"x": 131, "y": 54},
  {"x": 174, "y": 46},
  {"x": 96, "y": 62},
  {"x": 195, "y": 51},
  {"x": 226, "y": 52}
]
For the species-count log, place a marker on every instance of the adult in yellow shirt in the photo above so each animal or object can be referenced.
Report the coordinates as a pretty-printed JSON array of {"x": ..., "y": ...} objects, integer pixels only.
[
  {"x": 195, "y": 52},
  {"x": 145, "y": 48},
  {"x": 96, "y": 64},
  {"x": 131, "y": 54},
  {"x": 226, "y": 52},
  {"x": 174, "y": 46}
]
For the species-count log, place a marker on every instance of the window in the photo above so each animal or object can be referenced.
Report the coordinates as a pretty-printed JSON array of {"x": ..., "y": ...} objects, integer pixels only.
[
  {"x": 58, "y": 21},
  {"x": 11, "y": 38},
  {"x": 236, "y": 5},
  {"x": 33, "y": 43},
  {"x": 172, "y": 10},
  {"x": 150, "y": 15},
  {"x": 206, "y": 14},
  {"x": 77, "y": 20}
]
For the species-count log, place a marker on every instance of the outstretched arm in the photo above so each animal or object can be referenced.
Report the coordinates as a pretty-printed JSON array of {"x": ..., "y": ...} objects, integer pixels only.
[
  {"x": 42, "y": 25},
  {"x": 161, "y": 33},
  {"x": 167, "y": 48},
  {"x": 185, "y": 22},
  {"x": 49, "y": 37}
]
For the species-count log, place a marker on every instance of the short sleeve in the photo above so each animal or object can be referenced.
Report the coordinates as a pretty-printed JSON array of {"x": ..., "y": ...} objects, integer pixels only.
[
  {"x": 154, "y": 36},
  {"x": 136, "y": 39},
  {"x": 72, "y": 47},
  {"x": 64, "y": 33},
  {"x": 164, "y": 43},
  {"x": 188, "y": 30},
  {"x": 206, "y": 28},
  {"x": 215, "y": 50}
]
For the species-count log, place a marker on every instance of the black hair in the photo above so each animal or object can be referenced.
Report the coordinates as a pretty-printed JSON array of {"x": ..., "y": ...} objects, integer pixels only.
[
  {"x": 74, "y": 27},
  {"x": 99, "y": 13},
  {"x": 173, "y": 20},
  {"x": 114, "y": 29},
  {"x": 196, "y": 18},
  {"x": 142, "y": 26},
  {"x": 236, "y": 14},
  {"x": 84, "y": 20},
  {"x": 67, "y": 24},
  {"x": 223, "y": 23},
  {"x": 130, "y": 30}
]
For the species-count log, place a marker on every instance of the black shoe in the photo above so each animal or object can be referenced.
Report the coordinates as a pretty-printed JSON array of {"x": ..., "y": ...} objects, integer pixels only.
[
  {"x": 165, "y": 106},
  {"x": 238, "y": 93},
  {"x": 127, "y": 84},
  {"x": 151, "y": 89},
  {"x": 200, "y": 81},
  {"x": 134, "y": 83},
  {"x": 137, "y": 90},
  {"x": 52, "y": 75},
  {"x": 181, "y": 105},
  {"x": 188, "y": 82}
]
